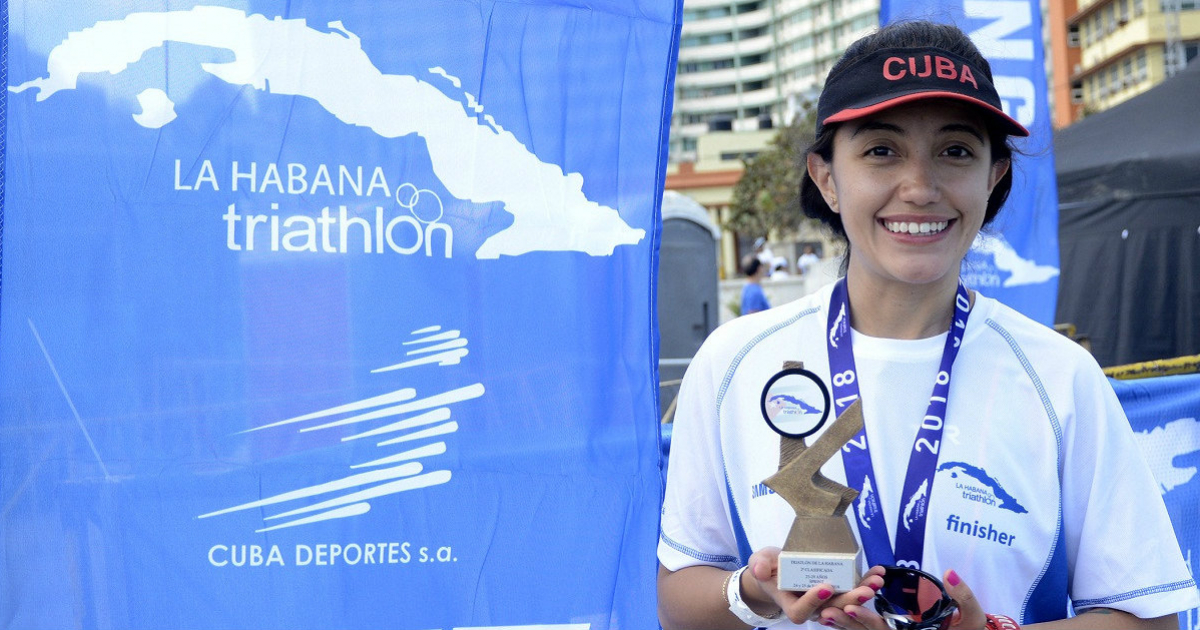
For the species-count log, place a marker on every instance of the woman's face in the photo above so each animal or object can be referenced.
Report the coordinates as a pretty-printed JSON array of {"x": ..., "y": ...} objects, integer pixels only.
[{"x": 911, "y": 184}]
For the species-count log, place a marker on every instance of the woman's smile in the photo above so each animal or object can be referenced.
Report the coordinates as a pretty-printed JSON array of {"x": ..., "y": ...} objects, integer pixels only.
[{"x": 916, "y": 228}]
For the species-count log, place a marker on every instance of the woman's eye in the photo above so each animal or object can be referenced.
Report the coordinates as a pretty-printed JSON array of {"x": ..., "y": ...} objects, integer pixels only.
[
  {"x": 880, "y": 151},
  {"x": 959, "y": 151}
]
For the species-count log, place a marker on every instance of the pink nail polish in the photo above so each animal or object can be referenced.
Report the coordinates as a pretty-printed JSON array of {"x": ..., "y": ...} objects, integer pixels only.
[
  {"x": 875, "y": 587},
  {"x": 953, "y": 578},
  {"x": 827, "y": 622},
  {"x": 824, "y": 593},
  {"x": 852, "y": 615},
  {"x": 863, "y": 599}
]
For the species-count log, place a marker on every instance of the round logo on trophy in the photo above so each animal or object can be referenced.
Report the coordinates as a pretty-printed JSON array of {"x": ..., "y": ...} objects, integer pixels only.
[{"x": 795, "y": 403}]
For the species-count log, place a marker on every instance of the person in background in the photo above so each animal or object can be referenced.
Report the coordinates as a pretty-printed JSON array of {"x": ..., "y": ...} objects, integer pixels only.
[
  {"x": 806, "y": 260},
  {"x": 1014, "y": 478},
  {"x": 753, "y": 298},
  {"x": 764, "y": 254}
]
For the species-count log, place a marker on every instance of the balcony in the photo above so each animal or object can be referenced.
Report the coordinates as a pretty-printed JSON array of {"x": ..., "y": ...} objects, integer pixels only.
[
  {"x": 1122, "y": 40},
  {"x": 706, "y": 78},
  {"x": 707, "y": 52},
  {"x": 724, "y": 24},
  {"x": 756, "y": 72},
  {"x": 755, "y": 45}
]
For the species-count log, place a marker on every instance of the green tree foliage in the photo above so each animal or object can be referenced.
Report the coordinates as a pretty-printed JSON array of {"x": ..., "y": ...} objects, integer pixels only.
[{"x": 767, "y": 197}]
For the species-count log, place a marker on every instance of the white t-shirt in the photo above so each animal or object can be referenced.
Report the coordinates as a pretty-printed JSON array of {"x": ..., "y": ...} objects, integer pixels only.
[{"x": 1041, "y": 498}]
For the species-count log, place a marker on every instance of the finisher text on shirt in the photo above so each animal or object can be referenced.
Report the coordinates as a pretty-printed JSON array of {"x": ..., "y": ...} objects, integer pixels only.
[{"x": 955, "y": 524}]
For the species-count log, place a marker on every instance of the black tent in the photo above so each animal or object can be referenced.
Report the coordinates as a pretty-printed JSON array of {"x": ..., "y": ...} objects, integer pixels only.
[{"x": 1129, "y": 225}]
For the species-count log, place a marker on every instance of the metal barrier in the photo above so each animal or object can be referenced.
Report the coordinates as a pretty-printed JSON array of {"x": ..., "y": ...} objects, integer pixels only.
[{"x": 1162, "y": 367}]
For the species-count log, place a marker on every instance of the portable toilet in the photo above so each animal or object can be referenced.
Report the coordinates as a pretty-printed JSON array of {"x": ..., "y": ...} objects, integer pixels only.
[{"x": 687, "y": 287}]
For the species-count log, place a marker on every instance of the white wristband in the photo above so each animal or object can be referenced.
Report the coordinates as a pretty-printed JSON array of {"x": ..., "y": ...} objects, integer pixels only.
[{"x": 737, "y": 606}]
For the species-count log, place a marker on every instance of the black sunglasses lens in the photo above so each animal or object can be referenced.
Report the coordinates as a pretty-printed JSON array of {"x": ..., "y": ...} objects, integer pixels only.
[{"x": 914, "y": 597}]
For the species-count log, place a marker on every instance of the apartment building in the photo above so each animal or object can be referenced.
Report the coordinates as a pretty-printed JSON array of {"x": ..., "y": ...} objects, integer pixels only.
[
  {"x": 746, "y": 67},
  {"x": 1108, "y": 51}
]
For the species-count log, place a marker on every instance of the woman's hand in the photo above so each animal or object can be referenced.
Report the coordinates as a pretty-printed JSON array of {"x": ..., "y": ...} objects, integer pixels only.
[
  {"x": 857, "y": 616},
  {"x": 760, "y": 591}
]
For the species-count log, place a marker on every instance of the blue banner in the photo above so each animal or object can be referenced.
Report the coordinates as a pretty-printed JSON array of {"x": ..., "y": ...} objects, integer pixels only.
[
  {"x": 323, "y": 314},
  {"x": 1165, "y": 415},
  {"x": 1015, "y": 260}
]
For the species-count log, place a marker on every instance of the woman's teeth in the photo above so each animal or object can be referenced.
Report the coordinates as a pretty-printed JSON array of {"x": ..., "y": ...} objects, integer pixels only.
[{"x": 903, "y": 227}]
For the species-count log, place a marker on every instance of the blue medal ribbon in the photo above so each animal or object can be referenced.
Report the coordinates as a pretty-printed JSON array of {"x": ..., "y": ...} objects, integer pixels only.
[{"x": 856, "y": 454}]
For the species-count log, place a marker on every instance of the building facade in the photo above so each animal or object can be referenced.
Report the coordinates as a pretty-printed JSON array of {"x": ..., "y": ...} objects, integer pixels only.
[
  {"x": 746, "y": 67},
  {"x": 1108, "y": 51}
]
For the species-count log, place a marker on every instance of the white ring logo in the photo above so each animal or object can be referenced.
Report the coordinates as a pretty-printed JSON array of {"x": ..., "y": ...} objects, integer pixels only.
[{"x": 414, "y": 198}]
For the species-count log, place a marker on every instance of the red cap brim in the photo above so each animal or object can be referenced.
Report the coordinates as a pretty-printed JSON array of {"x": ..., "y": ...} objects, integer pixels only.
[{"x": 1010, "y": 125}]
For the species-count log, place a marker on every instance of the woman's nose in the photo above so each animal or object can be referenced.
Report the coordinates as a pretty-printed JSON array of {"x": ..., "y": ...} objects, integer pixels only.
[{"x": 920, "y": 183}]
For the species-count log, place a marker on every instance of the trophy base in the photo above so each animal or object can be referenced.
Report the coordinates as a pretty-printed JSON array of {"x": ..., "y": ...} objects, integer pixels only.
[{"x": 800, "y": 571}]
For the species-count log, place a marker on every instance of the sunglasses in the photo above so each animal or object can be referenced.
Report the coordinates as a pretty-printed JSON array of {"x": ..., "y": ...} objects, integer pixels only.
[{"x": 911, "y": 599}]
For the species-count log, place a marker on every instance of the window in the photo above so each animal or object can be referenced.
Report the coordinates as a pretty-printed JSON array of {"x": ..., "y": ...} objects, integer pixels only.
[
  {"x": 802, "y": 14},
  {"x": 728, "y": 156},
  {"x": 747, "y": 7},
  {"x": 705, "y": 66},
  {"x": 705, "y": 40},
  {"x": 705, "y": 14},
  {"x": 1139, "y": 7},
  {"x": 1123, "y": 11},
  {"x": 751, "y": 33},
  {"x": 1073, "y": 36},
  {"x": 707, "y": 92}
]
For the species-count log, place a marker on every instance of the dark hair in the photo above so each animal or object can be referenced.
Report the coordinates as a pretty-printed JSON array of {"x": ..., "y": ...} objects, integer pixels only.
[
  {"x": 751, "y": 264},
  {"x": 913, "y": 34}
]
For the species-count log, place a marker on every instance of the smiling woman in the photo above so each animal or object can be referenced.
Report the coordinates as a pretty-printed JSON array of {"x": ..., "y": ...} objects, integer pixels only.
[
  {"x": 910, "y": 185},
  {"x": 1040, "y": 501}
]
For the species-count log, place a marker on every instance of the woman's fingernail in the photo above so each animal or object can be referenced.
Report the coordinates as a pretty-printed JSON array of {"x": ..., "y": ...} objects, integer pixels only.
[
  {"x": 827, "y": 623},
  {"x": 863, "y": 599},
  {"x": 824, "y": 593},
  {"x": 953, "y": 578},
  {"x": 875, "y": 587},
  {"x": 852, "y": 615}
]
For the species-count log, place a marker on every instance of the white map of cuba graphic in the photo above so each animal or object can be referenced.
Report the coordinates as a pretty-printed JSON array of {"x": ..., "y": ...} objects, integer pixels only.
[{"x": 475, "y": 161}]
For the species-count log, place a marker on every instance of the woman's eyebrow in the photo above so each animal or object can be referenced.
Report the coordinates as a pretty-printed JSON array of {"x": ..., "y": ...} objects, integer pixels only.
[
  {"x": 875, "y": 125},
  {"x": 964, "y": 128}
]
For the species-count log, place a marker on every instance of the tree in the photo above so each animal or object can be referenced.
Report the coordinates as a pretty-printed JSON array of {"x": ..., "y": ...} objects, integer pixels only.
[{"x": 767, "y": 197}]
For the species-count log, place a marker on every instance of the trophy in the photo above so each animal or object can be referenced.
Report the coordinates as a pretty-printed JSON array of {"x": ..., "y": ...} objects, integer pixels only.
[{"x": 820, "y": 548}]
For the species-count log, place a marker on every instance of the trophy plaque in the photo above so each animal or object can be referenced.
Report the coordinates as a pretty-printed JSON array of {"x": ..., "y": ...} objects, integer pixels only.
[{"x": 820, "y": 548}]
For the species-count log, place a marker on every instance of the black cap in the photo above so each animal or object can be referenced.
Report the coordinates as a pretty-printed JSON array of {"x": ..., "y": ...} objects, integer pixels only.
[{"x": 892, "y": 76}]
